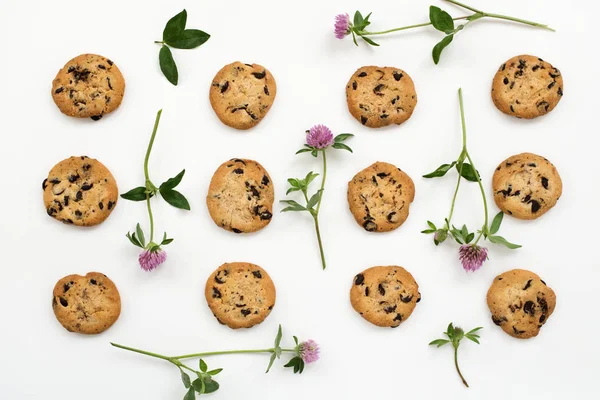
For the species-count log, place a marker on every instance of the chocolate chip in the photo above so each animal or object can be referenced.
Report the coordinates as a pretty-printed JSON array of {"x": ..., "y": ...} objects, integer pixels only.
[
  {"x": 498, "y": 320},
  {"x": 218, "y": 280},
  {"x": 381, "y": 289},
  {"x": 554, "y": 76},
  {"x": 529, "y": 307},
  {"x": 542, "y": 318},
  {"x": 398, "y": 317},
  {"x": 377, "y": 90},
  {"x": 391, "y": 216},
  {"x": 257, "y": 274},
  {"x": 551, "y": 85},
  {"x": 266, "y": 89},
  {"x": 216, "y": 293},
  {"x": 101, "y": 66},
  {"x": 255, "y": 192},
  {"x": 367, "y": 291},
  {"x": 354, "y": 85},
  {"x": 266, "y": 215},
  {"x": 270, "y": 307},
  {"x": 516, "y": 331},
  {"x": 374, "y": 180},
  {"x": 383, "y": 116},
  {"x": 419, "y": 299},
  {"x": 406, "y": 299},
  {"x": 66, "y": 287},
  {"x": 51, "y": 210},
  {"x": 240, "y": 305},
  {"x": 535, "y": 68},
  {"x": 512, "y": 108},
  {"x": 109, "y": 62},
  {"x": 390, "y": 309},
  {"x": 68, "y": 221},
  {"x": 110, "y": 205},
  {"x": 59, "y": 90},
  {"x": 370, "y": 226},
  {"x": 96, "y": 117},
  {"x": 535, "y": 206},
  {"x": 359, "y": 279},
  {"x": 259, "y": 75},
  {"x": 363, "y": 119},
  {"x": 79, "y": 196},
  {"x": 101, "y": 206},
  {"x": 64, "y": 302},
  {"x": 545, "y": 182},
  {"x": 44, "y": 185},
  {"x": 526, "y": 199},
  {"x": 73, "y": 178},
  {"x": 560, "y": 91},
  {"x": 543, "y": 304},
  {"x": 265, "y": 180},
  {"x": 86, "y": 186},
  {"x": 397, "y": 75},
  {"x": 108, "y": 81},
  {"x": 245, "y": 312},
  {"x": 543, "y": 104},
  {"x": 362, "y": 74},
  {"x": 235, "y": 230},
  {"x": 93, "y": 282},
  {"x": 527, "y": 285},
  {"x": 238, "y": 171},
  {"x": 78, "y": 213},
  {"x": 505, "y": 81},
  {"x": 503, "y": 67},
  {"x": 86, "y": 167},
  {"x": 225, "y": 87},
  {"x": 543, "y": 282},
  {"x": 71, "y": 69}
]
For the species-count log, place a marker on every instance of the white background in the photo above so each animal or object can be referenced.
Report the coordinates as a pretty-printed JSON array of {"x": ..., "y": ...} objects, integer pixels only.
[{"x": 165, "y": 311}]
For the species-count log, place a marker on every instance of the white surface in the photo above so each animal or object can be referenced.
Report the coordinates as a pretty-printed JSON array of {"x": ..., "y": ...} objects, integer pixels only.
[{"x": 165, "y": 311}]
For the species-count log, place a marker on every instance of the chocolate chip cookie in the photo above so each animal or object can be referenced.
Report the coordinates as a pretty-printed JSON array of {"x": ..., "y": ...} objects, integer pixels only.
[
  {"x": 520, "y": 303},
  {"x": 240, "y": 294},
  {"x": 86, "y": 304},
  {"x": 240, "y": 196},
  {"x": 379, "y": 197},
  {"x": 381, "y": 96},
  {"x": 88, "y": 86},
  {"x": 527, "y": 87},
  {"x": 385, "y": 296},
  {"x": 526, "y": 186},
  {"x": 80, "y": 191},
  {"x": 242, "y": 94}
]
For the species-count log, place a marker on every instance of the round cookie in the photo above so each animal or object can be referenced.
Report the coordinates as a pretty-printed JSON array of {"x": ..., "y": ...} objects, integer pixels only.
[
  {"x": 527, "y": 87},
  {"x": 240, "y": 295},
  {"x": 240, "y": 196},
  {"x": 379, "y": 197},
  {"x": 242, "y": 94},
  {"x": 80, "y": 191},
  {"x": 86, "y": 304},
  {"x": 89, "y": 85},
  {"x": 520, "y": 303},
  {"x": 526, "y": 186},
  {"x": 381, "y": 96},
  {"x": 385, "y": 296}
]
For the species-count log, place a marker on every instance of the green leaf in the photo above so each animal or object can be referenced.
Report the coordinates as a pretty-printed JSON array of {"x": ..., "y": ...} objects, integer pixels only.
[
  {"x": 354, "y": 39},
  {"x": 314, "y": 153},
  {"x": 450, "y": 330},
  {"x": 137, "y": 194},
  {"x": 175, "y": 25},
  {"x": 366, "y": 39},
  {"x": 294, "y": 182},
  {"x": 297, "y": 364},
  {"x": 428, "y": 231},
  {"x": 438, "y": 342},
  {"x": 441, "y": 20},
  {"x": 134, "y": 240},
  {"x": 440, "y": 171},
  {"x": 190, "y": 395},
  {"x": 438, "y": 48},
  {"x": 472, "y": 338},
  {"x": 342, "y": 137},
  {"x": 165, "y": 241},
  {"x": 210, "y": 386},
  {"x": 188, "y": 39},
  {"x": 468, "y": 172},
  {"x": 203, "y": 366},
  {"x": 214, "y": 372},
  {"x": 174, "y": 198},
  {"x": 470, "y": 237},
  {"x": 358, "y": 19},
  {"x": 292, "y": 189},
  {"x": 140, "y": 234},
  {"x": 271, "y": 361},
  {"x": 278, "y": 336},
  {"x": 442, "y": 235},
  {"x": 303, "y": 151},
  {"x": 167, "y": 65},
  {"x": 502, "y": 241},
  {"x": 295, "y": 340},
  {"x": 341, "y": 146},
  {"x": 314, "y": 199},
  {"x": 431, "y": 225},
  {"x": 199, "y": 386},
  {"x": 172, "y": 183},
  {"x": 293, "y": 206},
  {"x": 474, "y": 330},
  {"x": 496, "y": 223},
  {"x": 309, "y": 178},
  {"x": 186, "y": 380}
]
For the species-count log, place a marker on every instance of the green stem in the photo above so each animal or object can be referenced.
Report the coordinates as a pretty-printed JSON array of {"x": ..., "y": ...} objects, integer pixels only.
[
  {"x": 323, "y": 180},
  {"x": 216, "y": 353},
  {"x": 316, "y": 214},
  {"x": 403, "y": 28},
  {"x": 323, "y": 263},
  {"x": 464, "y": 134},
  {"x": 159, "y": 42},
  {"x": 454, "y": 197},
  {"x": 457, "y": 368},
  {"x": 149, "y": 185},
  {"x": 465, "y": 6},
  {"x": 147, "y": 353}
]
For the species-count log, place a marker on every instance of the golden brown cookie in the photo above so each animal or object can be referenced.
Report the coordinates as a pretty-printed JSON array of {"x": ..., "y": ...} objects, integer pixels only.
[
  {"x": 381, "y": 96},
  {"x": 89, "y": 85},
  {"x": 86, "y": 304},
  {"x": 240, "y": 196},
  {"x": 527, "y": 87},
  {"x": 379, "y": 197},
  {"x": 80, "y": 191},
  {"x": 520, "y": 303},
  {"x": 526, "y": 186},
  {"x": 240, "y": 294},
  {"x": 385, "y": 296},
  {"x": 242, "y": 94}
]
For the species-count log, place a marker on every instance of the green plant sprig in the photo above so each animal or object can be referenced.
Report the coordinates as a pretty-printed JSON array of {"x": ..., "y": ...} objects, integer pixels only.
[
  {"x": 455, "y": 335},
  {"x": 175, "y": 35},
  {"x": 441, "y": 20},
  {"x": 148, "y": 191},
  {"x": 204, "y": 382},
  {"x": 466, "y": 170}
]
